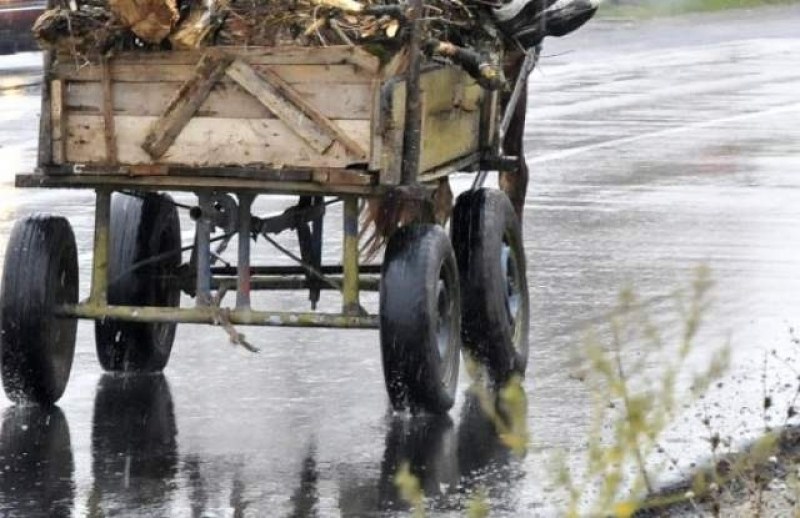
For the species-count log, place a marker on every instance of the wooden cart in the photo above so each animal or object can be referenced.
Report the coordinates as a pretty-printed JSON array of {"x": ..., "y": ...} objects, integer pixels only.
[{"x": 329, "y": 125}]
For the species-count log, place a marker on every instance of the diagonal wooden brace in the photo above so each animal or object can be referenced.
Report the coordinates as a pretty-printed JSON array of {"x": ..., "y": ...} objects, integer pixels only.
[
  {"x": 295, "y": 119},
  {"x": 288, "y": 105},
  {"x": 182, "y": 107}
]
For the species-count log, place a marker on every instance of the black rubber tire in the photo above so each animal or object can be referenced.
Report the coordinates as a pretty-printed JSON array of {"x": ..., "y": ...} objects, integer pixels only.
[
  {"x": 141, "y": 227},
  {"x": 41, "y": 272},
  {"x": 419, "y": 284},
  {"x": 485, "y": 228}
]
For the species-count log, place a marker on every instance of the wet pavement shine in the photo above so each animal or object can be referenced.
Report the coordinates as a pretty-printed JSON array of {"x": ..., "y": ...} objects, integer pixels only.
[{"x": 654, "y": 147}]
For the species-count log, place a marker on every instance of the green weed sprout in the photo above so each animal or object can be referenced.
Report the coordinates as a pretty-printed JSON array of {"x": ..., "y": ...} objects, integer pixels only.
[{"x": 633, "y": 373}]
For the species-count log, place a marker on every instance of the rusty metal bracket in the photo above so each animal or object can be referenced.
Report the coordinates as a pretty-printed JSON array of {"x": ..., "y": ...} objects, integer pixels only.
[
  {"x": 531, "y": 59},
  {"x": 290, "y": 219},
  {"x": 309, "y": 236}
]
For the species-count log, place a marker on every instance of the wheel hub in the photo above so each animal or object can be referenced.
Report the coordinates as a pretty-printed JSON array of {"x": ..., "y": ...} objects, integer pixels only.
[
  {"x": 443, "y": 319},
  {"x": 512, "y": 287}
]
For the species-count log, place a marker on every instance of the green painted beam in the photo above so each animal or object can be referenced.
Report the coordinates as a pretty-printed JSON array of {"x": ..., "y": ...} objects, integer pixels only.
[{"x": 212, "y": 315}]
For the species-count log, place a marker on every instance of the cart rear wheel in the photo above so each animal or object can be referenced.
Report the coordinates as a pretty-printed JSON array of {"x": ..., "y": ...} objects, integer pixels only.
[
  {"x": 40, "y": 273},
  {"x": 494, "y": 288},
  {"x": 420, "y": 319},
  {"x": 141, "y": 228}
]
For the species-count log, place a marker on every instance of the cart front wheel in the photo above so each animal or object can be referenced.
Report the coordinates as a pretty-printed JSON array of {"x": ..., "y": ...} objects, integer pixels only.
[
  {"x": 142, "y": 228},
  {"x": 491, "y": 261},
  {"x": 420, "y": 319},
  {"x": 40, "y": 273}
]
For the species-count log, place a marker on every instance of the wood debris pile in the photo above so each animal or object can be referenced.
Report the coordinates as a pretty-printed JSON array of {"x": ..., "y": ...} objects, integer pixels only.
[
  {"x": 80, "y": 29},
  {"x": 461, "y": 32}
]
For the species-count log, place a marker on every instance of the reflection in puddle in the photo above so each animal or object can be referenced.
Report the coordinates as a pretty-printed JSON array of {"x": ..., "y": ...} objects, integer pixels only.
[
  {"x": 305, "y": 500},
  {"x": 134, "y": 445},
  {"x": 488, "y": 461},
  {"x": 36, "y": 466},
  {"x": 218, "y": 494},
  {"x": 427, "y": 444},
  {"x": 451, "y": 463}
]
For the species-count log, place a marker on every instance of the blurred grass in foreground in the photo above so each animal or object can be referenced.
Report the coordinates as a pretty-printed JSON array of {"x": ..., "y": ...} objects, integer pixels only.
[
  {"x": 632, "y": 368},
  {"x": 639, "y": 370},
  {"x": 654, "y": 8}
]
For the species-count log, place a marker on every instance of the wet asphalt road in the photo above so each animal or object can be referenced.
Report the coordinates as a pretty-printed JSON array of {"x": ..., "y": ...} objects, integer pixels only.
[{"x": 653, "y": 147}]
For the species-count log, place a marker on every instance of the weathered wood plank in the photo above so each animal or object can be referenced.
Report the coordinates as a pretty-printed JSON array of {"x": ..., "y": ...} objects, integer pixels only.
[
  {"x": 466, "y": 163},
  {"x": 472, "y": 98},
  {"x": 448, "y": 136},
  {"x": 183, "y": 106},
  {"x": 299, "y": 122},
  {"x": 376, "y": 136},
  {"x": 108, "y": 114},
  {"x": 58, "y": 122},
  {"x": 148, "y": 170},
  {"x": 284, "y": 55},
  {"x": 393, "y": 127},
  {"x": 448, "y": 88},
  {"x": 251, "y": 173},
  {"x": 192, "y": 183},
  {"x": 450, "y": 122},
  {"x": 211, "y": 142},
  {"x": 146, "y": 73},
  {"x": 226, "y": 100},
  {"x": 286, "y": 90},
  {"x": 342, "y": 177},
  {"x": 322, "y": 175}
]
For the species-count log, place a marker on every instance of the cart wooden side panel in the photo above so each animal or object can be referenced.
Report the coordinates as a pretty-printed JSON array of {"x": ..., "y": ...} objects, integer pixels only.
[
  {"x": 451, "y": 118},
  {"x": 230, "y": 127},
  {"x": 230, "y": 108}
]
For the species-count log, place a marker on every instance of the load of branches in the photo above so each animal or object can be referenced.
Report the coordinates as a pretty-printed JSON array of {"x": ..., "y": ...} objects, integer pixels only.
[
  {"x": 467, "y": 32},
  {"x": 461, "y": 32}
]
